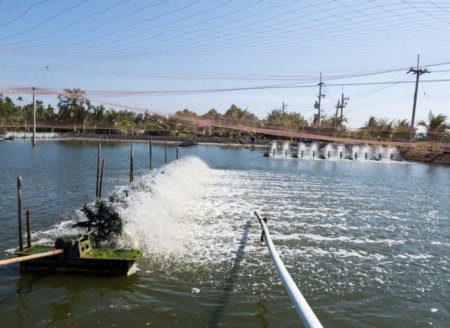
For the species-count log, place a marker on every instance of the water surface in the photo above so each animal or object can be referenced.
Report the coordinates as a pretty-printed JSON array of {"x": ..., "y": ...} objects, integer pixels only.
[{"x": 367, "y": 242}]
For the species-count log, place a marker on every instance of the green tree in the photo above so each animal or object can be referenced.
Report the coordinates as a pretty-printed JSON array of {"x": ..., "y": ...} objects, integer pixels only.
[
  {"x": 385, "y": 128},
  {"x": 186, "y": 112},
  {"x": 402, "y": 129},
  {"x": 280, "y": 119},
  {"x": 436, "y": 126},
  {"x": 73, "y": 106},
  {"x": 371, "y": 124},
  {"x": 238, "y": 115},
  {"x": 9, "y": 112},
  {"x": 212, "y": 114},
  {"x": 43, "y": 114},
  {"x": 97, "y": 115}
]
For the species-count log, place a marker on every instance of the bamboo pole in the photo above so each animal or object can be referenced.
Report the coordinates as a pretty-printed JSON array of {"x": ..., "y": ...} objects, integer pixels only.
[
  {"x": 150, "y": 153},
  {"x": 165, "y": 151},
  {"x": 131, "y": 163},
  {"x": 31, "y": 257},
  {"x": 19, "y": 211},
  {"x": 33, "y": 140},
  {"x": 99, "y": 154},
  {"x": 101, "y": 179},
  {"x": 28, "y": 229}
]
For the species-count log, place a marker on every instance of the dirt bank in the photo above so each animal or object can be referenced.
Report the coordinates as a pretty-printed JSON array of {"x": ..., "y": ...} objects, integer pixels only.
[
  {"x": 420, "y": 152},
  {"x": 428, "y": 154}
]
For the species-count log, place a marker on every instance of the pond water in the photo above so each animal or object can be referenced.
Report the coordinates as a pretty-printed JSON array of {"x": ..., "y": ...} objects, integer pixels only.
[{"x": 366, "y": 242}]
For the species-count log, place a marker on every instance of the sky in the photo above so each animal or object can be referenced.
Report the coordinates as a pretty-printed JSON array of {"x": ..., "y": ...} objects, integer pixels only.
[{"x": 166, "y": 55}]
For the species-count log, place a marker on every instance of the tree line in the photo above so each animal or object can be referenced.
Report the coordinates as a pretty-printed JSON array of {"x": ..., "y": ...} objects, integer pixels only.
[{"x": 73, "y": 109}]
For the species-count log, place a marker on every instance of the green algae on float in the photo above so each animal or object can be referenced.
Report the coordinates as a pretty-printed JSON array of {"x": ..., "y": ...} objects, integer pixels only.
[{"x": 80, "y": 256}]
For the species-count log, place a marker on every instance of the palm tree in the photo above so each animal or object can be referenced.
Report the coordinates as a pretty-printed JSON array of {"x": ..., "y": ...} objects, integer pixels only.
[
  {"x": 436, "y": 126},
  {"x": 402, "y": 129},
  {"x": 278, "y": 118},
  {"x": 98, "y": 115},
  {"x": 239, "y": 116},
  {"x": 212, "y": 114},
  {"x": 294, "y": 120},
  {"x": 73, "y": 105},
  {"x": 385, "y": 127},
  {"x": 186, "y": 112},
  {"x": 235, "y": 114},
  {"x": 20, "y": 99},
  {"x": 275, "y": 118},
  {"x": 9, "y": 111},
  {"x": 371, "y": 124}
]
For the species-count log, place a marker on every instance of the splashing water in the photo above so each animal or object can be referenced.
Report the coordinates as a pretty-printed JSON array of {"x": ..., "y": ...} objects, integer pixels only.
[
  {"x": 178, "y": 214},
  {"x": 158, "y": 209},
  {"x": 182, "y": 214},
  {"x": 285, "y": 149}
]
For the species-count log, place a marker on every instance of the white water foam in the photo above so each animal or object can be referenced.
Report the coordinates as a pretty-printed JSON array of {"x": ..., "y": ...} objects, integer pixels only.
[
  {"x": 159, "y": 207},
  {"x": 182, "y": 212}
]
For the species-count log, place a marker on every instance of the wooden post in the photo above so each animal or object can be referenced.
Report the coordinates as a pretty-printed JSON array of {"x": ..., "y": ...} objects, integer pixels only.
[
  {"x": 101, "y": 179},
  {"x": 19, "y": 198},
  {"x": 99, "y": 154},
  {"x": 33, "y": 141},
  {"x": 28, "y": 229},
  {"x": 131, "y": 163},
  {"x": 165, "y": 151},
  {"x": 150, "y": 153}
]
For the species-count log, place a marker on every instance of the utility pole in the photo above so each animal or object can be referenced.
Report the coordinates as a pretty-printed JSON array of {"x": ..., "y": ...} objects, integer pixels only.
[
  {"x": 33, "y": 140},
  {"x": 284, "y": 106},
  {"x": 343, "y": 103},
  {"x": 320, "y": 96},
  {"x": 338, "y": 105},
  {"x": 418, "y": 73}
]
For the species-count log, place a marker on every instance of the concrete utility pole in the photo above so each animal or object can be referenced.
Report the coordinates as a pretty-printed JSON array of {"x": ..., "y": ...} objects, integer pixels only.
[
  {"x": 418, "y": 73},
  {"x": 338, "y": 105},
  {"x": 343, "y": 102},
  {"x": 320, "y": 96},
  {"x": 33, "y": 140}
]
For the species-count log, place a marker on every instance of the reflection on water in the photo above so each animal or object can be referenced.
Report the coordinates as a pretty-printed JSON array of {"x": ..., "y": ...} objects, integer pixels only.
[
  {"x": 263, "y": 322},
  {"x": 63, "y": 298},
  {"x": 229, "y": 283}
]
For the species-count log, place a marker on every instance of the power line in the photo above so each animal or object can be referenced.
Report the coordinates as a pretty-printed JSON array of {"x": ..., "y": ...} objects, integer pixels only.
[
  {"x": 45, "y": 21},
  {"x": 259, "y": 32},
  {"x": 15, "y": 19},
  {"x": 84, "y": 33},
  {"x": 76, "y": 22},
  {"x": 125, "y": 93},
  {"x": 283, "y": 29},
  {"x": 218, "y": 49}
]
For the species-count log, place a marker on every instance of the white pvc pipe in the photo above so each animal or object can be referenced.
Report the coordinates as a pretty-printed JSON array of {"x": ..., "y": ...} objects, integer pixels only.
[{"x": 301, "y": 305}]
